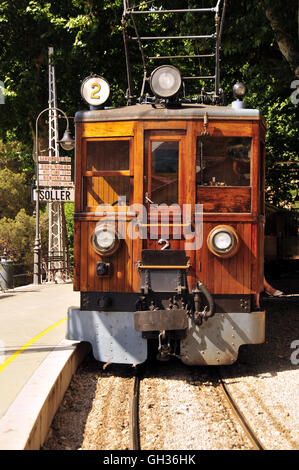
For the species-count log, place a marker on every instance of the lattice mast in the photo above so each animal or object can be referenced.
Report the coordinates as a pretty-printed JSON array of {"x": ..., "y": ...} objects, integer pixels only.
[{"x": 58, "y": 258}]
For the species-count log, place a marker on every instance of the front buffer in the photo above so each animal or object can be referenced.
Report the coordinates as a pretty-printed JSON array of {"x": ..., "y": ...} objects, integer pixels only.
[{"x": 194, "y": 326}]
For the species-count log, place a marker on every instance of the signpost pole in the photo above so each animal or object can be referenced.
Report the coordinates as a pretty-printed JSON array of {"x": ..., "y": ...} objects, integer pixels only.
[
  {"x": 37, "y": 245},
  {"x": 37, "y": 242}
]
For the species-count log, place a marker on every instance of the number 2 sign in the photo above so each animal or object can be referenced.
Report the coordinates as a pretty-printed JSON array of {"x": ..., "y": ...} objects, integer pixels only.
[{"x": 95, "y": 90}]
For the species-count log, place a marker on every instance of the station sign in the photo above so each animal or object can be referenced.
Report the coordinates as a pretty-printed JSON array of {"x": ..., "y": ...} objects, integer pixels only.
[
  {"x": 55, "y": 195},
  {"x": 54, "y": 171},
  {"x": 51, "y": 159}
]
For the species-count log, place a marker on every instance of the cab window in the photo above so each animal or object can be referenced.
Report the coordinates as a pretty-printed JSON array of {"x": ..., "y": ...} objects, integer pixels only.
[
  {"x": 107, "y": 176},
  {"x": 223, "y": 161},
  {"x": 164, "y": 171}
]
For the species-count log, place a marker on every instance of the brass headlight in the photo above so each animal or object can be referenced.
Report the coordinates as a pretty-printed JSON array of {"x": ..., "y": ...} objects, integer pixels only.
[
  {"x": 105, "y": 239},
  {"x": 165, "y": 81},
  {"x": 223, "y": 241}
]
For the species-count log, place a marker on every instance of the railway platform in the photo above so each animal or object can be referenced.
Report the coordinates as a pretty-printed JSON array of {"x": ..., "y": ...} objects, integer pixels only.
[{"x": 33, "y": 354}]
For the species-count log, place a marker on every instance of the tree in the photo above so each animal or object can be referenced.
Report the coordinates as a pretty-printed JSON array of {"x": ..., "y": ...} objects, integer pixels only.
[
  {"x": 82, "y": 34},
  {"x": 14, "y": 193},
  {"x": 259, "y": 47},
  {"x": 17, "y": 236},
  {"x": 284, "y": 20},
  {"x": 69, "y": 219}
]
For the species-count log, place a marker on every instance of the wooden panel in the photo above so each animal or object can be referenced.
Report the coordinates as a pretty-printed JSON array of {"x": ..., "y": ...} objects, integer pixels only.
[
  {"x": 84, "y": 242},
  {"x": 205, "y": 261},
  {"x": 107, "y": 171},
  {"x": 226, "y": 128},
  {"x": 240, "y": 265},
  {"x": 157, "y": 125},
  {"x": 77, "y": 247},
  {"x": 230, "y": 217},
  {"x": 107, "y": 155},
  {"x": 257, "y": 248},
  {"x": 175, "y": 245},
  {"x": 260, "y": 283},
  {"x": 247, "y": 258},
  {"x": 238, "y": 275},
  {"x": 187, "y": 192},
  {"x": 217, "y": 199},
  {"x": 138, "y": 162},
  {"x": 78, "y": 167},
  {"x": 100, "y": 190},
  {"x": 231, "y": 275},
  {"x": 107, "y": 129},
  {"x": 255, "y": 168},
  {"x": 91, "y": 258},
  {"x": 120, "y": 279}
]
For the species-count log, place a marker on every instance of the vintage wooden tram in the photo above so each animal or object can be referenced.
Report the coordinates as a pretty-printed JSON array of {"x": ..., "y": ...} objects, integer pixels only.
[{"x": 169, "y": 228}]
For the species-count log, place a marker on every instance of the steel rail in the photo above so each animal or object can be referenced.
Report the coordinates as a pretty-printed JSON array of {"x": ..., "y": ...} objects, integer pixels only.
[
  {"x": 134, "y": 415},
  {"x": 239, "y": 415},
  {"x": 134, "y": 430}
]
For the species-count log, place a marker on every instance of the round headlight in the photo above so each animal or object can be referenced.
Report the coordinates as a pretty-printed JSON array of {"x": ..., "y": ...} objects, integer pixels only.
[
  {"x": 104, "y": 239},
  {"x": 239, "y": 90},
  {"x": 223, "y": 241},
  {"x": 165, "y": 81}
]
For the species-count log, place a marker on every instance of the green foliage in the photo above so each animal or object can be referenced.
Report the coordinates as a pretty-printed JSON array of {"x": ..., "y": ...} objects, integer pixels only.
[
  {"x": 282, "y": 145},
  {"x": 15, "y": 156},
  {"x": 87, "y": 38},
  {"x": 14, "y": 193},
  {"x": 17, "y": 236},
  {"x": 69, "y": 220}
]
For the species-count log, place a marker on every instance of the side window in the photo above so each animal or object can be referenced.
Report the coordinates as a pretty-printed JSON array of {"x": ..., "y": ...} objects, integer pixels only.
[
  {"x": 107, "y": 173},
  {"x": 223, "y": 161}
]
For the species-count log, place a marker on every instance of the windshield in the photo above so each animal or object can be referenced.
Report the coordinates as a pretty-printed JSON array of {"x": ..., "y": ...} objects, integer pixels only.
[{"x": 223, "y": 161}]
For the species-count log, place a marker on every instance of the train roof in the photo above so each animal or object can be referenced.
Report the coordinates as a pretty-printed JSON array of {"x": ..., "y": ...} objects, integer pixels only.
[{"x": 157, "y": 112}]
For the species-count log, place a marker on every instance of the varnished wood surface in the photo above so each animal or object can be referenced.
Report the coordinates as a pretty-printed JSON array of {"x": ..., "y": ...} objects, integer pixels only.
[
  {"x": 239, "y": 207},
  {"x": 227, "y": 276},
  {"x": 222, "y": 199},
  {"x": 120, "y": 279}
]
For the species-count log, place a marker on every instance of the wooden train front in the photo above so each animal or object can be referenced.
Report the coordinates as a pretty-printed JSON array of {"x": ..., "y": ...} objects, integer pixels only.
[{"x": 187, "y": 278}]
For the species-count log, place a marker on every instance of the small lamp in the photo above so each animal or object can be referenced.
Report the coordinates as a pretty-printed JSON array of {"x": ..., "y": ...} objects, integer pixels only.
[
  {"x": 239, "y": 90},
  {"x": 67, "y": 142}
]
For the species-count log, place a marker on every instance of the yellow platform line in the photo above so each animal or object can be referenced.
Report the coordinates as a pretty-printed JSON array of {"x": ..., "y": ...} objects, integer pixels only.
[{"x": 26, "y": 346}]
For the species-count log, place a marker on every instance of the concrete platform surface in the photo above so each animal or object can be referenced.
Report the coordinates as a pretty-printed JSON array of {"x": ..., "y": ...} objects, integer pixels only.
[{"x": 32, "y": 324}]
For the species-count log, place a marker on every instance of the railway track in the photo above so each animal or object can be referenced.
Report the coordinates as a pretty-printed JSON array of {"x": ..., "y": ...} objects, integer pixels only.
[
  {"x": 239, "y": 415},
  {"x": 134, "y": 418}
]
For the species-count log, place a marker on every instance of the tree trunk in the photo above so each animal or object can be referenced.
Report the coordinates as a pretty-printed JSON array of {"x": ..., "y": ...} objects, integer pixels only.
[{"x": 287, "y": 41}]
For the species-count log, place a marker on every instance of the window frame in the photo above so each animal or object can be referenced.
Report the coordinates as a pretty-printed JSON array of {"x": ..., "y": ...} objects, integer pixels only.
[
  {"x": 225, "y": 136},
  {"x": 90, "y": 173},
  {"x": 163, "y": 135}
]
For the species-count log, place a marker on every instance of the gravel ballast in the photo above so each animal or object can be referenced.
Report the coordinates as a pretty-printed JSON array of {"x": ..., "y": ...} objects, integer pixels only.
[{"x": 180, "y": 406}]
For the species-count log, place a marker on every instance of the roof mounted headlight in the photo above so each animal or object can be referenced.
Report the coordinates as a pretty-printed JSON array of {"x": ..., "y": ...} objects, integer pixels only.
[
  {"x": 239, "y": 90},
  {"x": 165, "y": 81},
  {"x": 223, "y": 241},
  {"x": 105, "y": 240}
]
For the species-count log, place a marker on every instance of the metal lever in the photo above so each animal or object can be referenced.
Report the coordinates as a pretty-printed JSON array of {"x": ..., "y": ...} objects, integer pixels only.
[
  {"x": 147, "y": 199},
  {"x": 162, "y": 240}
]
